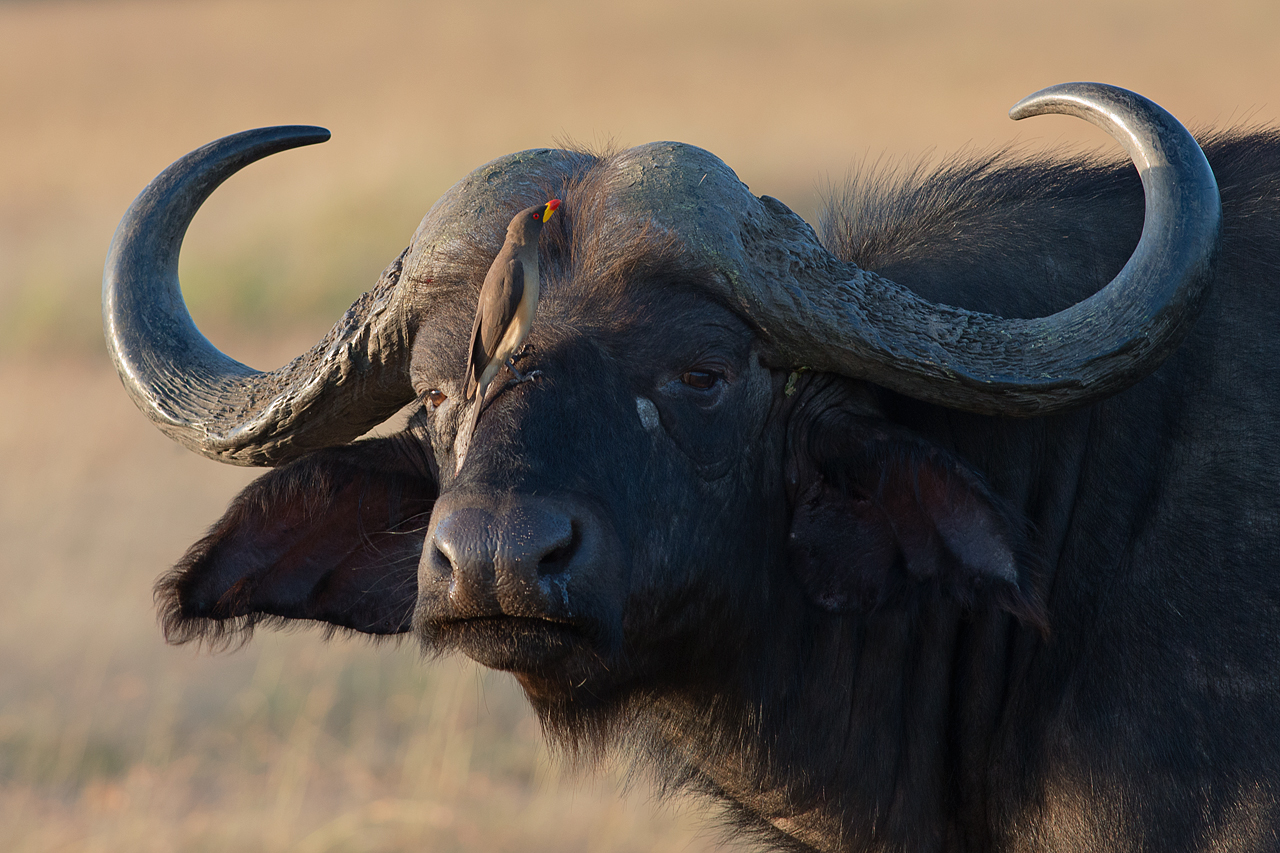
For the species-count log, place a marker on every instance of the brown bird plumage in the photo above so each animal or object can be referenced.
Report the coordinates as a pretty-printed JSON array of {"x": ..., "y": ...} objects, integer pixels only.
[{"x": 508, "y": 301}]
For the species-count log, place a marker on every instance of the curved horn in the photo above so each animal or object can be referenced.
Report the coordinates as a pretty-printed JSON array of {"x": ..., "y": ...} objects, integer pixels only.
[
  {"x": 356, "y": 376},
  {"x": 350, "y": 381},
  {"x": 832, "y": 316}
]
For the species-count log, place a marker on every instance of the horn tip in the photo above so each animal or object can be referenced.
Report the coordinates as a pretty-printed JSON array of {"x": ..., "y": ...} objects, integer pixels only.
[{"x": 1053, "y": 99}]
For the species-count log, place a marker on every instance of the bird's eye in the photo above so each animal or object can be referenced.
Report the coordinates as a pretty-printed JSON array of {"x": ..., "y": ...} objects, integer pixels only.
[
  {"x": 436, "y": 397},
  {"x": 702, "y": 380}
]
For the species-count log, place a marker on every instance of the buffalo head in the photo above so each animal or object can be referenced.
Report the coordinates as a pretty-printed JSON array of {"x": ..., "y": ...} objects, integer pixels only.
[{"x": 703, "y": 456}]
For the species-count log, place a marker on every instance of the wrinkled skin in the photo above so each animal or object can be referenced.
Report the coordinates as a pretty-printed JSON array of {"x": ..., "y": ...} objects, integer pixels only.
[{"x": 863, "y": 622}]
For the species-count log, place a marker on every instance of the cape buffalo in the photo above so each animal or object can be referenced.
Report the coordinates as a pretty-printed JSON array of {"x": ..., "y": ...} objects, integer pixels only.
[{"x": 989, "y": 563}]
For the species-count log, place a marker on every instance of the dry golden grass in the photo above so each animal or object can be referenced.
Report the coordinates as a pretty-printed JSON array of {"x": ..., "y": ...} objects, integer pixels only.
[{"x": 109, "y": 741}]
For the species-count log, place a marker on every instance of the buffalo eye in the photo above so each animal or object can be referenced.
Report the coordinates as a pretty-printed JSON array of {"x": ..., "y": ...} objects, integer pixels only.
[
  {"x": 702, "y": 380},
  {"x": 436, "y": 397}
]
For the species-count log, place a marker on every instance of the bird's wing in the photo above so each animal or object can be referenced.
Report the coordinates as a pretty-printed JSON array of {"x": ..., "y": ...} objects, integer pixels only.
[{"x": 499, "y": 298}]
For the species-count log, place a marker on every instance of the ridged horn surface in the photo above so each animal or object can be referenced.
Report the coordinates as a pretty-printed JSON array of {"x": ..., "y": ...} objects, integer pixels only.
[
  {"x": 820, "y": 312},
  {"x": 351, "y": 380},
  {"x": 858, "y": 323}
]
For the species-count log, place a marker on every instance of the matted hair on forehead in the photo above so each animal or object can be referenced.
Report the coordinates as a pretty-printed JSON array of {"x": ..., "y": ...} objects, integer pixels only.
[
  {"x": 596, "y": 243},
  {"x": 593, "y": 252}
]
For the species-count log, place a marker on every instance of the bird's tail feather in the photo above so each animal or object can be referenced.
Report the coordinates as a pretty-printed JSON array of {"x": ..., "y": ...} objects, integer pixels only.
[{"x": 463, "y": 442}]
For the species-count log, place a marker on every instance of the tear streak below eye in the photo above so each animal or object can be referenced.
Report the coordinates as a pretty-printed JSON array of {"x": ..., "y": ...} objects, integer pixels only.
[{"x": 648, "y": 413}]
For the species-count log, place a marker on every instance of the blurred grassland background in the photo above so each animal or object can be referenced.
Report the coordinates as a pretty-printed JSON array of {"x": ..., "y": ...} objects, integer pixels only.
[{"x": 110, "y": 741}]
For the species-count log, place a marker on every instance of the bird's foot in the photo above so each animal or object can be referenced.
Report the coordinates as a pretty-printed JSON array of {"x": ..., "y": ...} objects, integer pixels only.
[{"x": 520, "y": 378}]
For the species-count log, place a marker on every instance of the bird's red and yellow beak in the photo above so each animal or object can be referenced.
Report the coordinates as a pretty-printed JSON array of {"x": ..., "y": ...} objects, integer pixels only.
[{"x": 552, "y": 207}]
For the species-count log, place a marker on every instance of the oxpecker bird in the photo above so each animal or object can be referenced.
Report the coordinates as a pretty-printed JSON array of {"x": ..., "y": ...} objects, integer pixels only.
[{"x": 508, "y": 300}]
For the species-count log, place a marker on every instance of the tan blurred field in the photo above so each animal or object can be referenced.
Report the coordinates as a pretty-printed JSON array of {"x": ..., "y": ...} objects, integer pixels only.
[{"x": 111, "y": 741}]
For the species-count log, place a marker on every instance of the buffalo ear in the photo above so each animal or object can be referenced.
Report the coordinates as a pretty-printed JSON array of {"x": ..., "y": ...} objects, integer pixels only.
[
  {"x": 334, "y": 537},
  {"x": 879, "y": 516}
]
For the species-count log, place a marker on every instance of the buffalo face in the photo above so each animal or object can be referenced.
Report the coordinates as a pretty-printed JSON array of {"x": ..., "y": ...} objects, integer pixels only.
[{"x": 613, "y": 506}]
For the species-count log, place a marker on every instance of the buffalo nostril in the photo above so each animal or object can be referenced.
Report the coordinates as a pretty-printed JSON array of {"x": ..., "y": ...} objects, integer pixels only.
[
  {"x": 440, "y": 561},
  {"x": 558, "y": 557}
]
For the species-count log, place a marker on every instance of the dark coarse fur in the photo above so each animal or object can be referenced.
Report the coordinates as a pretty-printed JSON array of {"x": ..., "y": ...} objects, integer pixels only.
[
  {"x": 871, "y": 623},
  {"x": 1152, "y": 510}
]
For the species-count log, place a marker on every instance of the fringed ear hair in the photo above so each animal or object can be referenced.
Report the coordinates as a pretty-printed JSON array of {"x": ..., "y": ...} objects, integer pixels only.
[{"x": 334, "y": 537}]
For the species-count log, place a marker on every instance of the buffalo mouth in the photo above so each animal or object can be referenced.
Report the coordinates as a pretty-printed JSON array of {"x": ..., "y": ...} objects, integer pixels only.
[{"x": 519, "y": 644}]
